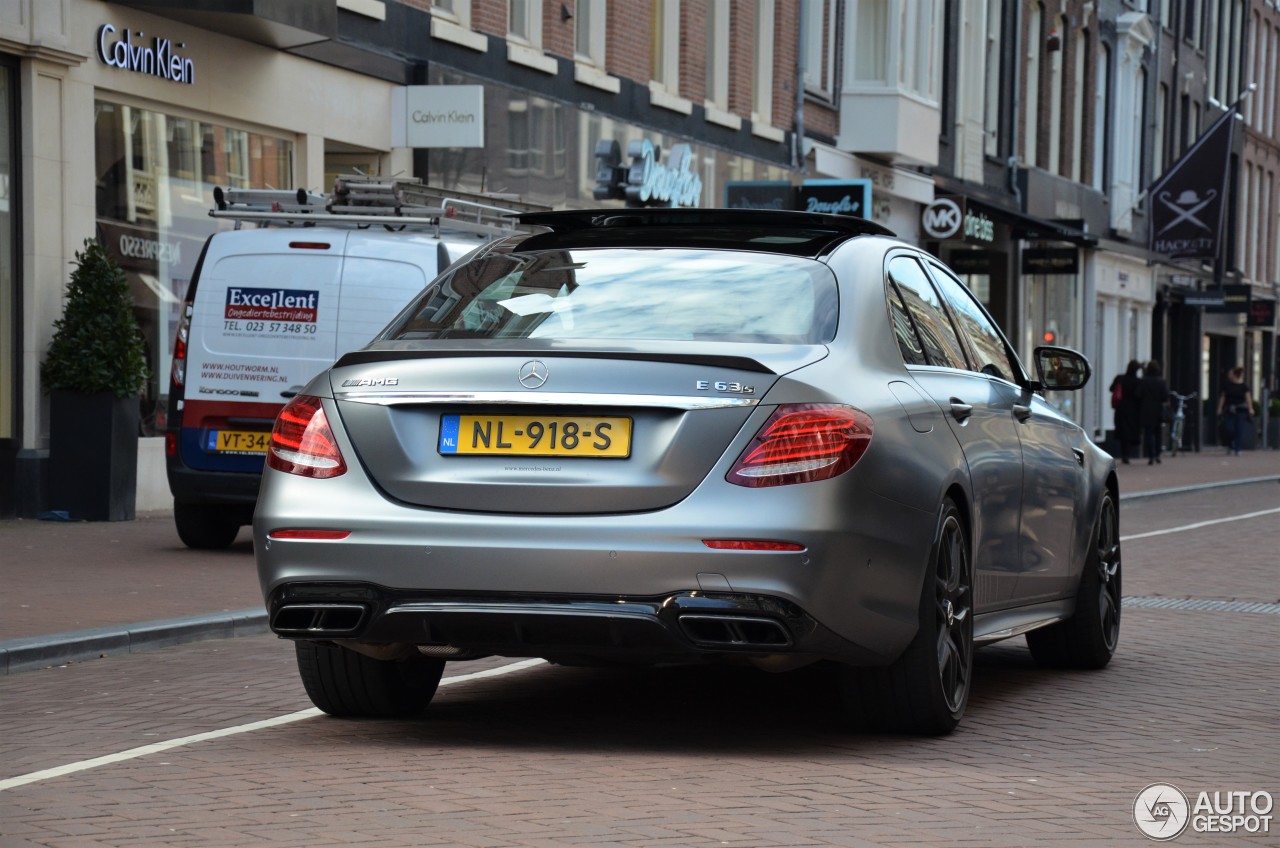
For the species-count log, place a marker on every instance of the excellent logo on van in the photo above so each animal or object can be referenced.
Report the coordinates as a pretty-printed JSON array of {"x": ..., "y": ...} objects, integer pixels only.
[{"x": 272, "y": 304}]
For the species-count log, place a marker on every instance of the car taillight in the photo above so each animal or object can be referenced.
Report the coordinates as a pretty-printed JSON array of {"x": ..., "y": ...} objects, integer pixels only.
[
  {"x": 801, "y": 443},
  {"x": 178, "y": 371},
  {"x": 302, "y": 443}
]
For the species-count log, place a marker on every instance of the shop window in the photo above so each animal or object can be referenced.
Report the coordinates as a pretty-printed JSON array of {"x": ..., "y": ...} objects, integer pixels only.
[
  {"x": 155, "y": 175},
  {"x": 518, "y": 137}
]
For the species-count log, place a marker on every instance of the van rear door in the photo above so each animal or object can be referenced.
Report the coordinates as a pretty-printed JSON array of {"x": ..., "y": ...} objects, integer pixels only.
[
  {"x": 382, "y": 273},
  {"x": 265, "y": 321}
]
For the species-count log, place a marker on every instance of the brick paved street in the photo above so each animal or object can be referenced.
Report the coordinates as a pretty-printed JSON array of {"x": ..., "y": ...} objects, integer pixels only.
[{"x": 552, "y": 756}]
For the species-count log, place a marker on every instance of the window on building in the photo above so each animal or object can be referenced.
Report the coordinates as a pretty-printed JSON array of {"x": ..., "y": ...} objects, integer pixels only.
[
  {"x": 457, "y": 11},
  {"x": 518, "y": 139},
  {"x": 993, "y": 48},
  {"x": 1079, "y": 61},
  {"x": 1157, "y": 139},
  {"x": 870, "y": 56},
  {"x": 1101, "y": 116},
  {"x": 1031, "y": 112},
  {"x": 589, "y": 32},
  {"x": 762, "y": 94},
  {"x": 524, "y": 21},
  {"x": 666, "y": 45},
  {"x": 1138, "y": 115},
  {"x": 1267, "y": 86},
  {"x": 1238, "y": 20},
  {"x": 818, "y": 32},
  {"x": 1056, "y": 84},
  {"x": 718, "y": 12},
  {"x": 1191, "y": 21}
]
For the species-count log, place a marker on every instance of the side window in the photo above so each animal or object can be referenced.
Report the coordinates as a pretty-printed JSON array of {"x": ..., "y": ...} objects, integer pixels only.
[
  {"x": 903, "y": 331},
  {"x": 938, "y": 337},
  {"x": 987, "y": 343}
]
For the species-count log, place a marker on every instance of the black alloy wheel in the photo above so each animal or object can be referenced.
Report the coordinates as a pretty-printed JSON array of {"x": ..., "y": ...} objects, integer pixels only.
[
  {"x": 925, "y": 691},
  {"x": 953, "y": 613},
  {"x": 1090, "y": 637}
]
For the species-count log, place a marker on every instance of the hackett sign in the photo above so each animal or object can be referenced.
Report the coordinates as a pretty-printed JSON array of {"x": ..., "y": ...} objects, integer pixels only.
[{"x": 157, "y": 59}]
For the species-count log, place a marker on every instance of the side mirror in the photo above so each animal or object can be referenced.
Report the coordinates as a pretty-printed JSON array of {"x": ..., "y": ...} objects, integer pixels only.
[{"x": 1061, "y": 369}]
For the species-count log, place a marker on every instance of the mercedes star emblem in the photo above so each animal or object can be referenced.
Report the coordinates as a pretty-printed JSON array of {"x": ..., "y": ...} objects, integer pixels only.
[{"x": 534, "y": 374}]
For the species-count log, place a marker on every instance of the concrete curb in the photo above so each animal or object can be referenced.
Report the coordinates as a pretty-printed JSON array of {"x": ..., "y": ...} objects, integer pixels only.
[
  {"x": 32, "y": 652},
  {"x": 1196, "y": 487}
]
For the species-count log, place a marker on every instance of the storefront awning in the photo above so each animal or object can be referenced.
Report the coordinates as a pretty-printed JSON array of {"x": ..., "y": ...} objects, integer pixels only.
[{"x": 1035, "y": 229}]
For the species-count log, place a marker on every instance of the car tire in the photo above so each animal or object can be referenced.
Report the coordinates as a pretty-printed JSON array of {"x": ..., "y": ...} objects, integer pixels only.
[
  {"x": 1088, "y": 639},
  {"x": 206, "y": 527},
  {"x": 346, "y": 684},
  {"x": 925, "y": 691}
]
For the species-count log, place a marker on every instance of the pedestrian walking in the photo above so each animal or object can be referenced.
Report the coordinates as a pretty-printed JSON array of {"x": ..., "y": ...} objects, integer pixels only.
[
  {"x": 1236, "y": 403},
  {"x": 1124, "y": 401},
  {"x": 1153, "y": 406}
]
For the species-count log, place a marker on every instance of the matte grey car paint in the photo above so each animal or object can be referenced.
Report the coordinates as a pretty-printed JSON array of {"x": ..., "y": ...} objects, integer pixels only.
[{"x": 494, "y": 529}]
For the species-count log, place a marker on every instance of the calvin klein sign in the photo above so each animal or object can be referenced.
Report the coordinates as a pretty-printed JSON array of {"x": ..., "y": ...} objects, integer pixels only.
[
  {"x": 437, "y": 116},
  {"x": 157, "y": 59}
]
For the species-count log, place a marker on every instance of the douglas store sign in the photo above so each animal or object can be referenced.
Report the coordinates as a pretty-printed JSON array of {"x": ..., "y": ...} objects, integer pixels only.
[{"x": 646, "y": 181}]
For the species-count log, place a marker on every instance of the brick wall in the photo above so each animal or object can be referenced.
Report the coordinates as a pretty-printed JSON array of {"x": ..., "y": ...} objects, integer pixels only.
[{"x": 628, "y": 42}]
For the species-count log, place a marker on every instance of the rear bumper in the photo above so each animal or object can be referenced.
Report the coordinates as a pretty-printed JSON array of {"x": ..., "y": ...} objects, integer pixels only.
[
  {"x": 212, "y": 487},
  {"x": 685, "y": 626}
]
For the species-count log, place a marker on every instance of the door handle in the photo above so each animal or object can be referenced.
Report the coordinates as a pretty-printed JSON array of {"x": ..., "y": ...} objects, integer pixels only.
[
  {"x": 1021, "y": 412},
  {"x": 960, "y": 410},
  {"x": 1079, "y": 454}
]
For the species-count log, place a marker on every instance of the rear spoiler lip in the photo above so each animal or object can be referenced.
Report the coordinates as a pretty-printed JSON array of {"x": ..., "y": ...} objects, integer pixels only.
[{"x": 739, "y": 363}]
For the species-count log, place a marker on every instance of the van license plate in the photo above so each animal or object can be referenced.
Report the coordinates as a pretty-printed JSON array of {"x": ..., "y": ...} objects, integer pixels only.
[
  {"x": 238, "y": 441},
  {"x": 536, "y": 435}
]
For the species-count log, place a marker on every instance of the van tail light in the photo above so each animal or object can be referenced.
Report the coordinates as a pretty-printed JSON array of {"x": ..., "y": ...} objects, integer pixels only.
[
  {"x": 178, "y": 371},
  {"x": 801, "y": 443},
  {"x": 302, "y": 442}
]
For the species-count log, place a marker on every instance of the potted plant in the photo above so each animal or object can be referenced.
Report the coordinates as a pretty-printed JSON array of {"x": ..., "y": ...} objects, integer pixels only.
[{"x": 95, "y": 368}]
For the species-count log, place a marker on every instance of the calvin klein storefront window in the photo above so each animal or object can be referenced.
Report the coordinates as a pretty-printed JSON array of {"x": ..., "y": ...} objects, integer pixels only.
[
  {"x": 543, "y": 151},
  {"x": 155, "y": 179}
]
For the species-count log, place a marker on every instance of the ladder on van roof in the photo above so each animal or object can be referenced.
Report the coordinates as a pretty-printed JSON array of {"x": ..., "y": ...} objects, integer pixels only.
[{"x": 365, "y": 200}]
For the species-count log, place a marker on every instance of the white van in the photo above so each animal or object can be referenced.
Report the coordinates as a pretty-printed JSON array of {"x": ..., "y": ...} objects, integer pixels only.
[{"x": 270, "y": 307}]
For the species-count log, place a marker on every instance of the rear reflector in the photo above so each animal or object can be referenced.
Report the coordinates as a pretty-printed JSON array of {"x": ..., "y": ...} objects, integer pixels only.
[
  {"x": 750, "y": 545},
  {"x": 315, "y": 535},
  {"x": 801, "y": 443},
  {"x": 302, "y": 443}
]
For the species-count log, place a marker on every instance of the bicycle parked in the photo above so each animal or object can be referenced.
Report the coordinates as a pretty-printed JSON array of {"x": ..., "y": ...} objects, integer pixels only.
[{"x": 1178, "y": 425}]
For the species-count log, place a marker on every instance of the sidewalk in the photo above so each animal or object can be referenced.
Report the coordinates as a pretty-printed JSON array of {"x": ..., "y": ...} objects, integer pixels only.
[{"x": 75, "y": 591}]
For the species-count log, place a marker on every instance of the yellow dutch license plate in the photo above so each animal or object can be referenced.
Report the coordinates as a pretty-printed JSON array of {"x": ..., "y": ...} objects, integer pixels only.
[
  {"x": 238, "y": 441},
  {"x": 536, "y": 435}
]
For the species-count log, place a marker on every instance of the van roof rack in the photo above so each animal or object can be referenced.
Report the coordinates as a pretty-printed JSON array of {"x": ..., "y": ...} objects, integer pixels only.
[{"x": 367, "y": 200}]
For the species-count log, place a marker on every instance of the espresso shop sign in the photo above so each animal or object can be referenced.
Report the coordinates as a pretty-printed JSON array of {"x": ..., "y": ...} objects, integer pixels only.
[{"x": 158, "y": 58}]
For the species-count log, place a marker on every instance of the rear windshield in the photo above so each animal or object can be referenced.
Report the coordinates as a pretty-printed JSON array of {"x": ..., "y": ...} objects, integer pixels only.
[{"x": 660, "y": 294}]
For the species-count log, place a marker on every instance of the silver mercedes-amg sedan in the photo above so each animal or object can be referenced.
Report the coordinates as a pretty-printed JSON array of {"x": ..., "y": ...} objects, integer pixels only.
[{"x": 686, "y": 436}]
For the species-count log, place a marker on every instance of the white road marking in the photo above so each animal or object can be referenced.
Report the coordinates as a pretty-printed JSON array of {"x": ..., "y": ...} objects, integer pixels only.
[
  {"x": 157, "y": 747},
  {"x": 1199, "y": 524}
]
